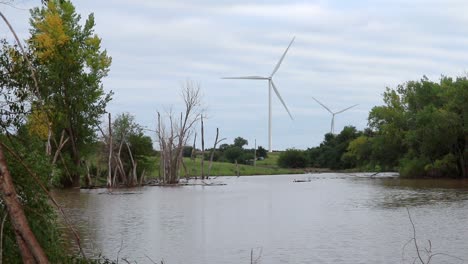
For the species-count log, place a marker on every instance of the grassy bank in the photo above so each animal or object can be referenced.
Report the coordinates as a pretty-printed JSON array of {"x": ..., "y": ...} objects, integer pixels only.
[{"x": 263, "y": 167}]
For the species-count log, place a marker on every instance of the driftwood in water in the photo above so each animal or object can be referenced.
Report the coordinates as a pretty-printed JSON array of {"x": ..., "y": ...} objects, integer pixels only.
[{"x": 308, "y": 180}]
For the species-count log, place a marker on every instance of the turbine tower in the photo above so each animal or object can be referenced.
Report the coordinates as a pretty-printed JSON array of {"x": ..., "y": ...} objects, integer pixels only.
[
  {"x": 271, "y": 85},
  {"x": 332, "y": 130}
]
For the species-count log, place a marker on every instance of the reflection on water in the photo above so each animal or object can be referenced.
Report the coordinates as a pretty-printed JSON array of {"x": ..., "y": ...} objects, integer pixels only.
[{"x": 333, "y": 218}]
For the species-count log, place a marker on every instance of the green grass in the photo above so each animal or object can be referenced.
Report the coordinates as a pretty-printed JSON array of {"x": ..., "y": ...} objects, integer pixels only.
[
  {"x": 270, "y": 161},
  {"x": 264, "y": 167}
]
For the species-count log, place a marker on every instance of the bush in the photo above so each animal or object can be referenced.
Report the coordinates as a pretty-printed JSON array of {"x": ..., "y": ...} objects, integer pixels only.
[
  {"x": 41, "y": 216},
  {"x": 233, "y": 153},
  {"x": 412, "y": 168},
  {"x": 292, "y": 158},
  {"x": 445, "y": 167}
]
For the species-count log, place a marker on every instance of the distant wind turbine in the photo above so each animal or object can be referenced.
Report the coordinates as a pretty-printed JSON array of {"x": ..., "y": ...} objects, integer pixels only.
[
  {"x": 271, "y": 85},
  {"x": 332, "y": 130}
]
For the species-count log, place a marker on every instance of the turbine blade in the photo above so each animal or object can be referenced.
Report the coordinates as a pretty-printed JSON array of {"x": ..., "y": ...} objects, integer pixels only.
[
  {"x": 247, "y": 78},
  {"x": 281, "y": 59},
  {"x": 328, "y": 109},
  {"x": 281, "y": 99},
  {"x": 346, "y": 109}
]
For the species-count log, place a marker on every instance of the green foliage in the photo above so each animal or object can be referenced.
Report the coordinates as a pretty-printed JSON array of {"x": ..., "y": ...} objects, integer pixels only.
[
  {"x": 70, "y": 66},
  {"x": 421, "y": 129},
  {"x": 125, "y": 130},
  {"x": 292, "y": 158},
  {"x": 240, "y": 142},
  {"x": 41, "y": 216},
  {"x": 331, "y": 152},
  {"x": 262, "y": 152},
  {"x": 230, "y": 169},
  {"x": 14, "y": 91},
  {"x": 187, "y": 151},
  {"x": 413, "y": 167},
  {"x": 445, "y": 167},
  {"x": 234, "y": 153}
]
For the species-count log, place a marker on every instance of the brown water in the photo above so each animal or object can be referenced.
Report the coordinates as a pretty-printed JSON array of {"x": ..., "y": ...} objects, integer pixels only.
[{"x": 334, "y": 218}]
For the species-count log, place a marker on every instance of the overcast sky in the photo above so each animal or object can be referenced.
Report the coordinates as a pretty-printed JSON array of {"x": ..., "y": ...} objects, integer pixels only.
[{"x": 345, "y": 53}]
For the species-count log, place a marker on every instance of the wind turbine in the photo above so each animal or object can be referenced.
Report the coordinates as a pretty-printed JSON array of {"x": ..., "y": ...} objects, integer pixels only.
[
  {"x": 332, "y": 130},
  {"x": 271, "y": 85}
]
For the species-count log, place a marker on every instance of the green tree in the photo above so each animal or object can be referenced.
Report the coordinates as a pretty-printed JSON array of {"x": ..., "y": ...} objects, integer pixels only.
[
  {"x": 262, "y": 152},
  {"x": 233, "y": 153},
  {"x": 130, "y": 145},
  {"x": 240, "y": 142},
  {"x": 330, "y": 153},
  {"x": 70, "y": 65},
  {"x": 292, "y": 158},
  {"x": 422, "y": 128},
  {"x": 14, "y": 89}
]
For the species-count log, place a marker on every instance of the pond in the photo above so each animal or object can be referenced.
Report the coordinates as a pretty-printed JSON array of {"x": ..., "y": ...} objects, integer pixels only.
[{"x": 330, "y": 218}]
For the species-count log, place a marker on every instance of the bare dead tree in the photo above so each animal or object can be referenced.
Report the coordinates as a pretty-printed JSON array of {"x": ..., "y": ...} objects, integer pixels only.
[
  {"x": 202, "y": 150},
  {"x": 423, "y": 256},
  {"x": 192, "y": 155},
  {"x": 216, "y": 142},
  {"x": 109, "y": 173},
  {"x": 255, "y": 154},
  {"x": 257, "y": 259},
  {"x": 173, "y": 134},
  {"x": 133, "y": 175}
]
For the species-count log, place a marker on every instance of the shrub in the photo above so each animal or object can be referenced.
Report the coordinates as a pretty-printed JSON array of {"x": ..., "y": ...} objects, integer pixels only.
[{"x": 292, "y": 158}]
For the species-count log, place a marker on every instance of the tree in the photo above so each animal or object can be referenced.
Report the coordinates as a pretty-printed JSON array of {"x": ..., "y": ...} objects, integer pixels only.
[
  {"x": 14, "y": 89},
  {"x": 422, "y": 128},
  {"x": 292, "y": 158},
  {"x": 330, "y": 153},
  {"x": 240, "y": 142},
  {"x": 24, "y": 169},
  {"x": 70, "y": 66},
  {"x": 233, "y": 154},
  {"x": 173, "y": 133},
  {"x": 130, "y": 150},
  {"x": 262, "y": 152}
]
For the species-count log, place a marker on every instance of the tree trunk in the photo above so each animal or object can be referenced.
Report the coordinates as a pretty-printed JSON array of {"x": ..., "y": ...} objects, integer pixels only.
[
  {"x": 213, "y": 151},
  {"x": 24, "y": 236},
  {"x": 202, "y": 149},
  {"x": 133, "y": 175},
  {"x": 75, "y": 155},
  {"x": 88, "y": 175},
  {"x": 109, "y": 173}
]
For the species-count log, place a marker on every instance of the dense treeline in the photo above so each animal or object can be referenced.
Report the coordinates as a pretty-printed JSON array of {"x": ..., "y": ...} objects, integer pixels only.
[
  {"x": 331, "y": 153},
  {"x": 232, "y": 153},
  {"x": 421, "y": 130}
]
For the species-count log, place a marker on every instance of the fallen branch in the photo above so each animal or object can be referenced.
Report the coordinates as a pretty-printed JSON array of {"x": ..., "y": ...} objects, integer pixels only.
[{"x": 36, "y": 179}]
